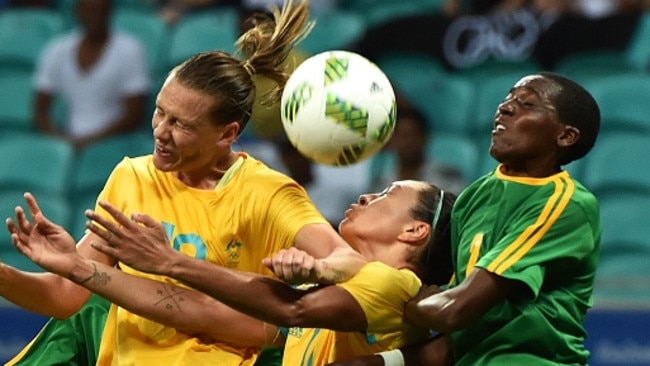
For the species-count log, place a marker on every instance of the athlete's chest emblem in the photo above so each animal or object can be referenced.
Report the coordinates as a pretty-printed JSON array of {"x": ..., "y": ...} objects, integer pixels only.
[{"x": 233, "y": 252}]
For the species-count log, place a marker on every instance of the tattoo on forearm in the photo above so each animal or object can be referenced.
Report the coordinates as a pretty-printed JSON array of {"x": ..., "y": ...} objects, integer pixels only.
[
  {"x": 338, "y": 276},
  {"x": 170, "y": 297},
  {"x": 97, "y": 278}
]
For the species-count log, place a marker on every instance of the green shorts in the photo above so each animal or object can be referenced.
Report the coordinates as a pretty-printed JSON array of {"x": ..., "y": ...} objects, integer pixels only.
[{"x": 71, "y": 342}]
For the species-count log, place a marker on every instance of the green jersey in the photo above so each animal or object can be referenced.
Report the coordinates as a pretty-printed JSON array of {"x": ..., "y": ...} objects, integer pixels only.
[{"x": 544, "y": 232}]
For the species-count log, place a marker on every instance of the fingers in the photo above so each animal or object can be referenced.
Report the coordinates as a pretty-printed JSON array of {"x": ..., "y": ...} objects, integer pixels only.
[
  {"x": 291, "y": 265},
  {"x": 14, "y": 232},
  {"x": 36, "y": 214},
  {"x": 307, "y": 266},
  {"x": 23, "y": 224},
  {"x": 108, "y": 229},
  {"x": 32, "y": 204},
  {"x": 104, "y": 248},
  {"x": 146, "y": 220},
  {"x": 117, "y": 214}
]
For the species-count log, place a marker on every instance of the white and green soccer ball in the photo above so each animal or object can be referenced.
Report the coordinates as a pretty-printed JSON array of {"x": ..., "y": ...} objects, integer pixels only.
[{"x": 338, "y": 108}]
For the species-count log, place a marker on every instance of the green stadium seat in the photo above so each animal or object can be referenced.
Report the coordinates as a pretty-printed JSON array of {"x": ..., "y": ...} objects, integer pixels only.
[
  {"x": 79, "y": 203},
  {"x": 623, "y": 101},
  {"x": 446, "y": 100},
  {"x": 387, "y": 11},
  {"x": 618, "y": 162},
  {"x": 24, "y": 32},
  {"x": 624, "y": 218},
  {"x": 204, "y": 31},
  {"x": 94, "y": 164},
  {"x": 333, "y": 31},
  {"x": 592, "y": 65},
  {"x": 623, "y": 273},
  {"x": 34, "y": 162},
  {"x": 455, "y": 150},
  {"x": 152, "y": 31},
  {"x": 637, "y": 52},
  {"x": 493, "y": 67},
  {"x": 54, "y": 206},
  {"x": 16, "y": 101}
]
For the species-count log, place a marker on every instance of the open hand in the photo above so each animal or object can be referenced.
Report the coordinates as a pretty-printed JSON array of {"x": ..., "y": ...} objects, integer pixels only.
[
  {"x": 44, "y": 242},
  {"x": 140, "y": 242}
]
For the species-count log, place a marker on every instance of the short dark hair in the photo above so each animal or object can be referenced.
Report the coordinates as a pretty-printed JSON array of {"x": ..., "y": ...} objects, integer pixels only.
[{"x": 578, "y": 108}]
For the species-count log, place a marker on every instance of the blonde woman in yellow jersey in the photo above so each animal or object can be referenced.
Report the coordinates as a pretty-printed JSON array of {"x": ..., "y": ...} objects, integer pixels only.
[
  {"x": 219, "y": 206},
  {"x": 403, "y": 233}
]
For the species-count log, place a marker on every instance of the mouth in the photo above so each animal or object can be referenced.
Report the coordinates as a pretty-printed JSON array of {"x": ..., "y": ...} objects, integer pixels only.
[
  {"x": 162, "y": 151},
  {"x": 498, "y": 127},
  {"x": 350, "y": 210}
]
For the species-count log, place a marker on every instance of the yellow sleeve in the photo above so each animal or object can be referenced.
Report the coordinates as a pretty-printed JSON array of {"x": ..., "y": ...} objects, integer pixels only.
[{"x": 382, "y": 292}]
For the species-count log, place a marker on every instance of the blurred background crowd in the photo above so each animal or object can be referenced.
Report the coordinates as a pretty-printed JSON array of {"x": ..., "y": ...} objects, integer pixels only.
[{"x": 78, "y": 80}]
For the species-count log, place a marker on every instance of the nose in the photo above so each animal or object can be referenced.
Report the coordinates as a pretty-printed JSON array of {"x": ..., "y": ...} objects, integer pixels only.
[
  {"x": 506, "y": 108},
  {"x": 160, "y": 129},
  {"x": 365, "y": 199}
]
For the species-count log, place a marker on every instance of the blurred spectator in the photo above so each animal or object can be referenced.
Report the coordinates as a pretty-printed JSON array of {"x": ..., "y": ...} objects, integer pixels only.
[
  {"x": 463, "y": 34},
  {"x": 48, "y": 4},
  {"x": 467, "y": 33},
  {"x": 410, "y": 145},
  {"x": 584, "y": 26},
  {"x": 100, "y": 75}
]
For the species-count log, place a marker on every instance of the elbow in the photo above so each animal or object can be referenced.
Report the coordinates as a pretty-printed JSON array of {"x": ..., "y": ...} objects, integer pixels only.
[
  {"x": 444, "y": 317},
  {"x": 453, "y": 319},
  {"x": 63, "y": 313},
  {"x": 293, "y": 315}
]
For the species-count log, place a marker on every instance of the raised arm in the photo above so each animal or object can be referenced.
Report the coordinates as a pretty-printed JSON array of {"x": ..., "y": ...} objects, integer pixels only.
[
  {"x": 189, "y": 311},
  {"x": 42, "y": 117},
  {"x": 454, "y": 309},
  {"x": 333, "y": 260},
  {"x": 138, "y": 244},
  {"x": 44, "y": 293}
]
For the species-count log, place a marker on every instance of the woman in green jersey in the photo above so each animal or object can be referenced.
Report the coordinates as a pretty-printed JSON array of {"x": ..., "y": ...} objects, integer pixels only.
[{"x": 525, "y": 240}]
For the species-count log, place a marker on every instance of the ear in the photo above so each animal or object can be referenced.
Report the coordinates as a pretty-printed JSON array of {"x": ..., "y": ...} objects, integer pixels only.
[
  {"x": 569, "y": 136},
  {"x": 415, "y": 232},
  {"x": 231, "y": 132}
]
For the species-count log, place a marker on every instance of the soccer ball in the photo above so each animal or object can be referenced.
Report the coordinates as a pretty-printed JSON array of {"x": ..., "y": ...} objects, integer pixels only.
[{"x": 338, "y": 108}]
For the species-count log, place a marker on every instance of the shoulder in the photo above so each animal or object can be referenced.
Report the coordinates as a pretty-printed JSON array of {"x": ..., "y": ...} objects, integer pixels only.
[
  {"x": 135, "y": 165},
  {"x": 261, "y": 174},
  {"x": 380, "y": 275}
]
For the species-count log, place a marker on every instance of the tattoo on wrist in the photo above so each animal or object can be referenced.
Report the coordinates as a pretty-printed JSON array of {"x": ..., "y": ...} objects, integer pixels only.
[
  {"x": 171, "y": 298},
  {"x": 97, "y": 278}
]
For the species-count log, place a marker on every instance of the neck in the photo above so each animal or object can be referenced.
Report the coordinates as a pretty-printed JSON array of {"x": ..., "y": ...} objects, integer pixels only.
[
  {"x": 208, "y": 178},
  {"x": 394, "y": 255},
  {"x": 537, "y": 168}
]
